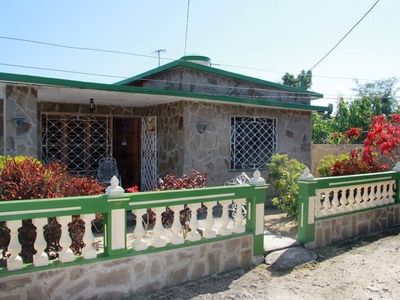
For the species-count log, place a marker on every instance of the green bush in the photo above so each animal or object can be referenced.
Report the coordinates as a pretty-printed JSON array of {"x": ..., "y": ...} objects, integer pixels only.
[
  {"x": 324, "y": 167},
  {"x": 283, "y": 175}
]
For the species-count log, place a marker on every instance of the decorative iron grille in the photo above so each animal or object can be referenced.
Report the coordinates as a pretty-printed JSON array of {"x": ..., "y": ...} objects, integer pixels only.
[
  {"x": 77, "y": 141},
  {"x": 253, "y": 142},
  {"x": 148, "y": 172}
]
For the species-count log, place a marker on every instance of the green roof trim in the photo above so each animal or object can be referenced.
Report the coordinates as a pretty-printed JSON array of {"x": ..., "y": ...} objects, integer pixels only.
[
  {"x": 196, "y": 57},
  {"x": 38, "y": 80},
  {"x": 183, "y": 63}
]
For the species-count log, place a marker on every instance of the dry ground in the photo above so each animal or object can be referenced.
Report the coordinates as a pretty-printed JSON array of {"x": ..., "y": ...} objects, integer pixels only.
[{"x": 363, "y": 269}]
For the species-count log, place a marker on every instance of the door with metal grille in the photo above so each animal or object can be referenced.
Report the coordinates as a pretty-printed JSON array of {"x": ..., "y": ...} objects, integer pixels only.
[{"x": 149, "y": 153}]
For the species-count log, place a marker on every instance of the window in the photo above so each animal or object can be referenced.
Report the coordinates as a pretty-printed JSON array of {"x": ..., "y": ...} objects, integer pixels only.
[
  {"x": 77, "y": 141},
  {"x": 253, "y": 142}
]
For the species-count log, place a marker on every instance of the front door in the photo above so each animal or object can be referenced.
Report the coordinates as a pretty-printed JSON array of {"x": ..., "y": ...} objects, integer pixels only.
[{"x": 126, "y": 149}]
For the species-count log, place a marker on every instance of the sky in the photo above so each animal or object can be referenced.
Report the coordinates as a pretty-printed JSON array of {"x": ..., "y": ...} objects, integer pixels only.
[{"x": 275, "y": 35}]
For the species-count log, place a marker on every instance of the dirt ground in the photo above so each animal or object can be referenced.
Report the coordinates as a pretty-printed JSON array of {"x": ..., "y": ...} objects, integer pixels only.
[
  {"x": 277, "y": 223},
  {"x": 368, "y": 268}
]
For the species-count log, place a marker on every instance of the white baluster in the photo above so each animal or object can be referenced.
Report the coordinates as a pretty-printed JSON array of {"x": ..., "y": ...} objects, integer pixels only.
[
  {"x": 372, "y": 196},
  {"x": 41, "y": 258},
  {"x": 239, "y": 227},
  {"x": 209, "y": 221},
  {"x": 176, "y": 228},
  {"x": 89, "y": 251},
  {"x": 335, "y": 200},
  {"x": 365, "y": 197},
  {"x": 66, "y": 255},
  {"x": 391, "y": 192},
  {"x": 358, "y": 197},
  {"x": 385, "y": 193},
  {"x": 350, "y": 199},
  {"x": 193, "y": 234},
  {"x": 379, "y": 193},
  {"x": 224, "y": 230},
  {"x": 139, "y": 243},
  {"x": 14, "y": 262},
  {"x": 158, "y": 240},
  {"x": 318, "y": 207}
]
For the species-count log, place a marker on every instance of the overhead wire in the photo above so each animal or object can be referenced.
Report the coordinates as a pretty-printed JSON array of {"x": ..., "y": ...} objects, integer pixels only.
[
  {"x": 347, "y": 33},
  {"x": 163, "y": 58}
]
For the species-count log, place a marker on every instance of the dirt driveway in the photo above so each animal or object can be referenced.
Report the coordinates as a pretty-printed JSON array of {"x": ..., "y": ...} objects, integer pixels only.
[{"x": 363, "y": 269}]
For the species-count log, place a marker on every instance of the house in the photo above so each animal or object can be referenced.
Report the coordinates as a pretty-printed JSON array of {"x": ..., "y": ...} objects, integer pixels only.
[{"x": 181, "y": 116}]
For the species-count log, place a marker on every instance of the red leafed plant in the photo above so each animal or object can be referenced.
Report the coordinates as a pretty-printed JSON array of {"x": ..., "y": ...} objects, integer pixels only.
[
  {"x": 132, "y": 189},
  {"x": 383, "y": 138},
  {"x": 29, "y": 179},
  {"x": 171, "y": 182}
]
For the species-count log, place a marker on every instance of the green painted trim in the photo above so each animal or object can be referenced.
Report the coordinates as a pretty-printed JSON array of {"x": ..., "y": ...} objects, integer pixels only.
[
  {"x": 354, "y": 212},
  {"x": 216, "y": 71},
  {"x": 55, "y": 264},
  {"x": 7, "y": 77},
  {"x": 196, "y": 57},
  {"x": 305, "y": 232}
]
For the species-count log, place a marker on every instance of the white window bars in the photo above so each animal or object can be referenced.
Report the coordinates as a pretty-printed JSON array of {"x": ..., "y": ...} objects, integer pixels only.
[
  {"x": 253, "y": 142},
  {"x": 78, "y": 141}
]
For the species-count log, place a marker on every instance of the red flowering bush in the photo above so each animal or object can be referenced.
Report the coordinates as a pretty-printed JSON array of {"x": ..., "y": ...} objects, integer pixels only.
[
  {"x": 29, "y": 179},
  {"x": 383, "y": 138},
  {"x": 132, "y": 189}
]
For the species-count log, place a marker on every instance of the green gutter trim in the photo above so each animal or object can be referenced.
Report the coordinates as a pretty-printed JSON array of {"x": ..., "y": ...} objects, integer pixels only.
[
  {"x": 8, "y": 77},
  {"x": 184, "y": 63}
]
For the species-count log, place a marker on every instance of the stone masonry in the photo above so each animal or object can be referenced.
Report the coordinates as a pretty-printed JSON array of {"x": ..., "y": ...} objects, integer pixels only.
[
  {"x": 358, "y": 224},
  {"x": 21, "y": 102},
  {"x": 119, "y": 278}
]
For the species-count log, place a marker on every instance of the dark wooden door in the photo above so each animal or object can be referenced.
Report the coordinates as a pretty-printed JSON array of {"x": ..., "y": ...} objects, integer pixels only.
[{"x": 126, "y": 149}]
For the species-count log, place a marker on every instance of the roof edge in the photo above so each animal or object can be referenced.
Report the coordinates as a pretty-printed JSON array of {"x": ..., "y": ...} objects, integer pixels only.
[
  {"x": 30, "y": 79},
  {"x": 185, "y": 63}
]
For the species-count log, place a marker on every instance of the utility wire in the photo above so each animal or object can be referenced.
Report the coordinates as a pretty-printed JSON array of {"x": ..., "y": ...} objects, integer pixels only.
[
  {"x": 285, "y": 94},
  {"x": 347, "y": 33},
  {"x": 164, "y": 58},
  {"x": 81, "y": 48}
]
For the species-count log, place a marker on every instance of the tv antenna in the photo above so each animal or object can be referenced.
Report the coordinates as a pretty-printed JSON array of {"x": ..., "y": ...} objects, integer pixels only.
[{"x": 158, "y": 51}]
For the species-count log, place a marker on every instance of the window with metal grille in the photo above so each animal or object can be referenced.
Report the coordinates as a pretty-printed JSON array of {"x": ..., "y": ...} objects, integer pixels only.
[
  {"x": 77, "y": 141},
  {"x": 253, "y": 142}
]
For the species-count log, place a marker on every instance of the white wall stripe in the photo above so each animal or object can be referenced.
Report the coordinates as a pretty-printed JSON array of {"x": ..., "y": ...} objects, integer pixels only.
[
  {"x": 359, "y": 181},
  {"x": 33, "y": 211},
  {"x": 182, "y": 199}
]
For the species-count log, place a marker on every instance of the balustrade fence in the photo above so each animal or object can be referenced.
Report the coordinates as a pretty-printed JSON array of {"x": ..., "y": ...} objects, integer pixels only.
[
  {"x": 328, "y": 198},
  {"x": 199, "y": 216}
]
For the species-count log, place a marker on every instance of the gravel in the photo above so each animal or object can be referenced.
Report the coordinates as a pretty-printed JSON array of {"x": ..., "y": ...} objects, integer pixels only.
[{"x": 362, "y": 269}]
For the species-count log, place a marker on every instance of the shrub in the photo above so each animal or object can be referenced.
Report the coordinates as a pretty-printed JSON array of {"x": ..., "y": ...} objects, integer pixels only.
[
  {"x": 283, "y": 175},
  {"x": 324, "y": 167},
  {"x": 171, "y": 182},
  {"x": 27, "y": 178}
]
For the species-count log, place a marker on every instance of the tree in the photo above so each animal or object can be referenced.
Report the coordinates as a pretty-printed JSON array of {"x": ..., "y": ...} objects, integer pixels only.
[
  {"x": 303, "y": 80},
  {"x": 382, "y": 90}
]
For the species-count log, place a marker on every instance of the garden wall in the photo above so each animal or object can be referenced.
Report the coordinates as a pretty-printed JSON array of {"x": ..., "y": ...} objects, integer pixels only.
[
  {"x": 359, "y": 224},
  {"x": 318, "y": 151},
  {"x": 119, "y": 278}
]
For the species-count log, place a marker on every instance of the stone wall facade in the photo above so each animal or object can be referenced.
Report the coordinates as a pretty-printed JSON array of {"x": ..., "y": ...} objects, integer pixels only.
[
  {"x": 194, "y": 81},
  {"x": 120, "y": 278},
  {"x": 1, "y": 126},
  {"x": 210, "y": 151},
  {"x": 320, "y": 150},
  {"x": 358, "y": 224},
  {"x": 21, "y": 105}
]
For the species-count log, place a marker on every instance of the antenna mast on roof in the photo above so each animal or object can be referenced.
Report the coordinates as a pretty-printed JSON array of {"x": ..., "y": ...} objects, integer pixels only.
[
  {"x": 158, "y": 51},
  {"x": 187, "y": 25}
]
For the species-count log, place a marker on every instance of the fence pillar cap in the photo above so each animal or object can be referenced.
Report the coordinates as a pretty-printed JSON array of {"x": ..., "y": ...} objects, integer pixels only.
[
  {"x": 114, "y": 190},
  {"x": 306, "y": 175},
  {"x": 397, "y": 167},
  {"x": 257, "y": 179}
]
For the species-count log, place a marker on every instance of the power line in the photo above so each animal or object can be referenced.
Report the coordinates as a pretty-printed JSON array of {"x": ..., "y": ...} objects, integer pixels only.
[
  {"x": 348, "y": 32},
  {"x": 164, "y": 58},
  {"x": 80, "y": 48}
]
